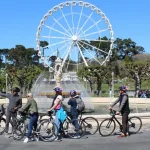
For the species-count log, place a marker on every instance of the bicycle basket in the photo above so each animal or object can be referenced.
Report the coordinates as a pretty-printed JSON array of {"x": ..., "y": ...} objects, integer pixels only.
[{"x": 112, "y": 112}]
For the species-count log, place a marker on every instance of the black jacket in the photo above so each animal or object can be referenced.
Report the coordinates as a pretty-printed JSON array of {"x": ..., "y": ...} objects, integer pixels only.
[
  {"x": 73, "y": 109},
  {"x": 123, "y": 103}
]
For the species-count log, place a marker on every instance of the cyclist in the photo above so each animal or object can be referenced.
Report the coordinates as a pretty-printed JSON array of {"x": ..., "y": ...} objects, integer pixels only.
[
  {"x": 56, "y": 105},
  {"x": 31, "y": 109},
  {"x": 15, "y": 102},
  {"x": 124, "y": 109},
  {"x": 73, "y": 110}
]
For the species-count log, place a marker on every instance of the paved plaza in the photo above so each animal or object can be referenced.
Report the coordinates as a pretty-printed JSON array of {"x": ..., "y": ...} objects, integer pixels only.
[{"x": 140, "y": 141}]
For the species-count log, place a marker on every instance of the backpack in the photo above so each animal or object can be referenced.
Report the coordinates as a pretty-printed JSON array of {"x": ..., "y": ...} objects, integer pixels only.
[{"x": 80, "y": 104}]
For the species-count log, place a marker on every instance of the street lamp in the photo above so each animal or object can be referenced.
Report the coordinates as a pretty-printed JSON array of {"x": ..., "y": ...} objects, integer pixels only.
[
  {"x": 6, "y": 82},
  {"x": 112, "y": 74}
]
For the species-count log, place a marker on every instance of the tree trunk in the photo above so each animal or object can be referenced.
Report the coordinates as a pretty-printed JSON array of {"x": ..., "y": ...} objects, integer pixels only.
[
  {"x": 91, "y": 85},
  {"x": 137, "y": 84},
  {"x": 99, "y": 86}
]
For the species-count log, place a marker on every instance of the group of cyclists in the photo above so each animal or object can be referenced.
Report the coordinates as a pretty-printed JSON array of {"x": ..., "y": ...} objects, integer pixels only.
[{"x": 15, "y": 104}]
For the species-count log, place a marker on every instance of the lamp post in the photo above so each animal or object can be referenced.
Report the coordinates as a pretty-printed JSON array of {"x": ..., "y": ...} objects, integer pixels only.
[
  {"x": 112, "y": 74},
  {"x": 6, "y": 82}
]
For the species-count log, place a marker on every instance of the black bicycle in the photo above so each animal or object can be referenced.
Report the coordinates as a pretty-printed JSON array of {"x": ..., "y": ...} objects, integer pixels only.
[
  {"x": 46, "y": 130},
  {"x": 107, "y": 126},
  {"x": 91, "y": 124},
  {"x": 2, "y": 119},
  {"x": 67, "y": 128}
]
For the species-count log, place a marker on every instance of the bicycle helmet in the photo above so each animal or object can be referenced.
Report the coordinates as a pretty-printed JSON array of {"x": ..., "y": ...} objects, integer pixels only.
[
  {"x": 58, "y": 89},
  {"x": 73, "y": 93},
  {"x": 123, "y": 88},
  {"x": 16, "y": 89}
]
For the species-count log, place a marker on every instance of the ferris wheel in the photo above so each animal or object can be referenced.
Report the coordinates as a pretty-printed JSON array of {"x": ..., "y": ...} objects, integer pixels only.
[{"x": 76, "y": 31}]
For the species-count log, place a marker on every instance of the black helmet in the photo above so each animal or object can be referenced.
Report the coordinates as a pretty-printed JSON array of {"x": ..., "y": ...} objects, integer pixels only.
[
  {"x": 16, "y": 89},
  {"x": 73, "y": 93}
]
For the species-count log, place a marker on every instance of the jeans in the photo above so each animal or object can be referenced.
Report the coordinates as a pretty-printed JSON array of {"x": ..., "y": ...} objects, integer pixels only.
[
  {"x": 10, "y": 115},
  {"x": 57, "y": 122},
  {"x": 32, "y": 123}
]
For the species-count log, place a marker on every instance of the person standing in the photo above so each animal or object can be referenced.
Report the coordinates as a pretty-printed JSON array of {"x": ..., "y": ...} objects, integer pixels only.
[
  {"x": 56, "y": 106},
  {"x": 15, "y": 102},
  {"x": 32, "y": 109},
  {"x": 73, "y": 110},
  {"x": 124, "y": 109}
]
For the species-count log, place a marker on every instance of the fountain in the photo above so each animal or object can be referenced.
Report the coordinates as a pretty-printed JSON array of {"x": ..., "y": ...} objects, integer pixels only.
[{"x": 44, "y": 93}]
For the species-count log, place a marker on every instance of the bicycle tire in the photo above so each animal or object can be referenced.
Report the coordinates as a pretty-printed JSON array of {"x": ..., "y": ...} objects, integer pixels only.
[
  {"x": 50, "y": 128},
  {"x": 4, "y": 121},
  {"x": 19, "y": 132},
  {"x": 134, "y": 123},
  {"x": 72, "y": 132},
  {"x": 91, "y": 125},
  {"x": 106, "y": 123}
]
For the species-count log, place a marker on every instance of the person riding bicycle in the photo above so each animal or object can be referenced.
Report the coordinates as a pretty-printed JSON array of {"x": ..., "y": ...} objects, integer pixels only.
[
  {"x": 15, "y": 102},
  {"x": 124, "y": 109},
  {"x": 31, "y": 108},
  {"x": 73, "y": 109},
  {"x": 56, "y": 106}
]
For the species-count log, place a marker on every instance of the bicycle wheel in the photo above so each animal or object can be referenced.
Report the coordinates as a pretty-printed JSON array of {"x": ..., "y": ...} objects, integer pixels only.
[
  {"x": 19, "y": 131},
  {"x": 107, "y": 127},
  {"x": 47, "y": 130},
  {"x": 73, "y": 132},
  {"x": 2, "y": 125},
  {"x": 91, "y": 125},
  {"x": 135, "y": 124}
]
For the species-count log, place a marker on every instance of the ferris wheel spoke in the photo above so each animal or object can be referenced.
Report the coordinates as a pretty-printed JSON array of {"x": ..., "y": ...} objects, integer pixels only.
[
  {"x": 94, "y": 47},
  {"x": 107, "y": 41},
  {"x": 55, "y": 37},
  {"x": 89, "y": 53},
  {"x": 72, "y": 18},
  {"x": 95, "y": 24},
  {"x": 66, "y": 45},
  {"x": 79, "y": 20},
  {"x": 66, "y": 21},
  {"x": 82, "y": 54},
  {"x": 85, "y": 23},
  {"x": 55, "y": 44},
  {"x": 57, "y": 30},
  {"x": 68, "y": 51},
  {"x": 61, "y": 26},
  {"x": 98, "y": 32}
]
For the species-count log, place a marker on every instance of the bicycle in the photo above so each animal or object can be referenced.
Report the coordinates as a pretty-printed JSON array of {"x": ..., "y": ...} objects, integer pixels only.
[
  {"x": 109, "y": 124},
  {"x": 91, "y": 124},
  {"x": 68, "y": 128},
  {"x": 46, "y": 131},
  {"x": 3, "y": 120}
]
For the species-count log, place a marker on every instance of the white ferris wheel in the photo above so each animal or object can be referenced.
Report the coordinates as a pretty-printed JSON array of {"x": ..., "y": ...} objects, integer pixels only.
[{"x": 77, "y": 30}]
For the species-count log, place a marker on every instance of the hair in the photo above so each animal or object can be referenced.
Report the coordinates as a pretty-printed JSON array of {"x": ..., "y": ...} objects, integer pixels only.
[{"x": 30, "y": 94}]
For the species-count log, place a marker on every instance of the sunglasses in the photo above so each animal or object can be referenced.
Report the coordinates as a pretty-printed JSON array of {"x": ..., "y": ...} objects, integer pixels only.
[{"x": 28, "y": 96}]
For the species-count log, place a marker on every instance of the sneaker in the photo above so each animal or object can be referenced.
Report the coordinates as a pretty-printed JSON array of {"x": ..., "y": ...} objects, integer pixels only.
[
  {"x": 76, "y": 136},
  {"x": 121, "y": 136},
  {"x": 26, "y": 140}
]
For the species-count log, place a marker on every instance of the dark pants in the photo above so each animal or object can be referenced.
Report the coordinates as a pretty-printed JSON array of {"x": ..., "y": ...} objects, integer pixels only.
[
  {"x": 32, "y": 123},
  {"x": 125, "y": 123},
  {"x": 10, "y": 115},
  {"x": 74, "y": 118}
]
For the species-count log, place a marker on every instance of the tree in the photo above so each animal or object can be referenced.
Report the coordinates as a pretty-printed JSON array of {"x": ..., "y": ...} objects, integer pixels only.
[
  {"x": 22, "y": 67},
  {"x": 126, "y": 49},
  {"x": 137, "y": 70},
  {"x": 44, "y": 45}
]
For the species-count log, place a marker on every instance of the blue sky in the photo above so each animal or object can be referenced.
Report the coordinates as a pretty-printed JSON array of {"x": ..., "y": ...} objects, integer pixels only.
[{"x": 19, "y": 20}]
